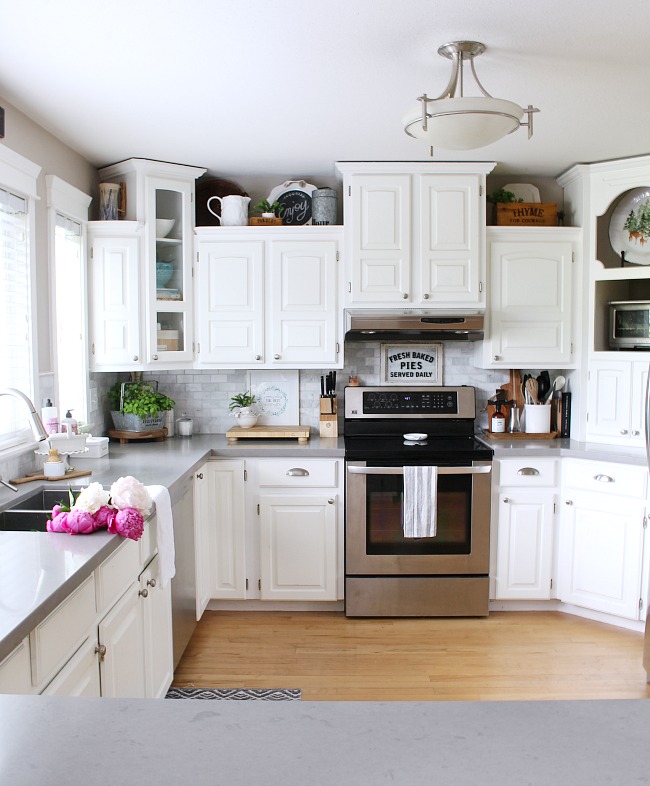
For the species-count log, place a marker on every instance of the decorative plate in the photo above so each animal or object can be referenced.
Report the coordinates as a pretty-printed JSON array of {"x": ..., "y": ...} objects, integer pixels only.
[
  {"x": 525, "y": 191},
  {"x": 629, "y": 226},
  {"x": 294, "y": 197}
]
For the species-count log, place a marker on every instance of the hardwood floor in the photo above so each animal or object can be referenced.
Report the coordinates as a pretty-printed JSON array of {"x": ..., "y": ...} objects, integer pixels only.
[{"x": 506, "y": 656}]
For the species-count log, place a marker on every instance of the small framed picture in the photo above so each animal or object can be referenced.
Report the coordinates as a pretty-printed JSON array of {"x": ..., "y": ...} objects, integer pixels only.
[{"x": 412, "y": 364}]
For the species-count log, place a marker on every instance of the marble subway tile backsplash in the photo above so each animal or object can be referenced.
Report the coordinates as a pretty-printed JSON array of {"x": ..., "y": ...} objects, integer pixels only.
[{"x": 205, "y": 395}]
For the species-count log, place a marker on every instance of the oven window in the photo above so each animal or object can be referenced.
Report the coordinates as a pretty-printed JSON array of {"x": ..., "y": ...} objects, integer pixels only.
[
  {"x": 385, "y": 517},
  {"x": 632, "y": 324}
]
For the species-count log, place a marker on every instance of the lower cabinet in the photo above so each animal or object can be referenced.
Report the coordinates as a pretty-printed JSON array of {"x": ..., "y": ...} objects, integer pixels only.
[
  {"x": 111, "y": 637},
  {"x": 275, "y": 535},
  {"x": 527, "y": 505},
  {"x": 602, "y": 532}
]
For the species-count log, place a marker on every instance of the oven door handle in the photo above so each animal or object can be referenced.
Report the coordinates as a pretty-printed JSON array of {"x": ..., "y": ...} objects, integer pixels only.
[{"x": 482, "y": 470}]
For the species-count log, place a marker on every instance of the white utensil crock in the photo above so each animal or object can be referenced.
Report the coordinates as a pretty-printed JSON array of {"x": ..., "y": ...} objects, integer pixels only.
[{"x": 537, "y": 418}]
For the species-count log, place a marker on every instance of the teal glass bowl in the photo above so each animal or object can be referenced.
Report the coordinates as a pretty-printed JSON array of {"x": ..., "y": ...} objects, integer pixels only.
[{"x": 164, "y": 272}]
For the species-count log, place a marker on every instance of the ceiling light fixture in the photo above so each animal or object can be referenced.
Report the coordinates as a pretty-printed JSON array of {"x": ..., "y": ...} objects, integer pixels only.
[{"x": 457, "y": 122}]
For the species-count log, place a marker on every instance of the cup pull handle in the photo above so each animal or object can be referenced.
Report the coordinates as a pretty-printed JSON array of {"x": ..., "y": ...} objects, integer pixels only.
[
  {"x": 604, "y": 478},
  {"x": 297, "y": 472},
  {"x": 528, "y": 471}
]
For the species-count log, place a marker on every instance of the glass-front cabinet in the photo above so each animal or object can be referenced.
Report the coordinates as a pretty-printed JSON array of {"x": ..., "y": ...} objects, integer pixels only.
[{"x": 159, "y": 200}]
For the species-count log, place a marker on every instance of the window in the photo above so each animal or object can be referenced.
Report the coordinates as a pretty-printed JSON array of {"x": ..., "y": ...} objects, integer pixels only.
[{"x": 16, "y": 356}]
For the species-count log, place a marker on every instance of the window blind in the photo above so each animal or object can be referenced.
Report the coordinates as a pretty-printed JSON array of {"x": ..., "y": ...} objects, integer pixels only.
[{"x": 15, "y": 317}]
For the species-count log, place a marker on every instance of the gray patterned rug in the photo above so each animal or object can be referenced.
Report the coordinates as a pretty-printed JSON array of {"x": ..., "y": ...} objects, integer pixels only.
[{"x": 236, "y": 694}]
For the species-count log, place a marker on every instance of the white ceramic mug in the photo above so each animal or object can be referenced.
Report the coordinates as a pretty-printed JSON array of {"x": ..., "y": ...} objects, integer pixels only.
[
  {"x": 234, "y": 210},
  {"x": 537, "y": 418}
]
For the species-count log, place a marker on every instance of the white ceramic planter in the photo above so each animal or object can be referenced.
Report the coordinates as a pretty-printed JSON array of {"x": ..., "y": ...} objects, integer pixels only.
[{"x": 246, "y": 417}]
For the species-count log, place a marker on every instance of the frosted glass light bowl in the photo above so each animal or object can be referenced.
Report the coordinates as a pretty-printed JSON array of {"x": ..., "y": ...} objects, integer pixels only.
[
  {"x": 164, "y": 226},
  {"x": 164, "y": 272}
]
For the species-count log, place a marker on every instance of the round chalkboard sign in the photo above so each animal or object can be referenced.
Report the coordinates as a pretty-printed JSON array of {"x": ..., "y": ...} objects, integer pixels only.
[
  {"x": 294, "y": 196},
  {"x": 296, "y": 207}
]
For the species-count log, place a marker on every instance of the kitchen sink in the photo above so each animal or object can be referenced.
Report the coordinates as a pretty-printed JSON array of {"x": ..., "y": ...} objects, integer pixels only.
[{"x": 31, "y": 513}]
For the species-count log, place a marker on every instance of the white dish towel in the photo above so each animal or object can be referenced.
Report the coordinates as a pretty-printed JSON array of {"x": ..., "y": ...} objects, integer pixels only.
[
  {"x": 165, "y": 521},
  {"x": 420, "y": 501}
]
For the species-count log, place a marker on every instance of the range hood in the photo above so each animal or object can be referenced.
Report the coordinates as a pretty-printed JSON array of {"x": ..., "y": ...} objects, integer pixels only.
[{"x": 412, "y": 325}]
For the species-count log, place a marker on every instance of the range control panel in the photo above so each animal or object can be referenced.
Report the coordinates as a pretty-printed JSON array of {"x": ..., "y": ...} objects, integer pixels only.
[{"x": 423, "y": 402}]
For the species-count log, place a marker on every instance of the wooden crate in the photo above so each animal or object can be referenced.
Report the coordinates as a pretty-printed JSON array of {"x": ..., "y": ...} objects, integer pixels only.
[
  {"x": 515, "y": 214},
  {"x": 260, "y": 221}
]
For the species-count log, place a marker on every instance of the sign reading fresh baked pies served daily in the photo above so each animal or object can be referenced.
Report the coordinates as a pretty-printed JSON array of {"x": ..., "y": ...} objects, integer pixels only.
[{"x": 415, "y": 364}]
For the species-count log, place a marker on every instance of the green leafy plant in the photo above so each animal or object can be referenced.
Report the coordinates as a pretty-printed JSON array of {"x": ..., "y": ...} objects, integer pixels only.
[
  {"x": 140, "y": 398},
  {"x": 242, "y": 400},
  {"x": 501, "y": 195},
  {"x": 264, "y": 206}
]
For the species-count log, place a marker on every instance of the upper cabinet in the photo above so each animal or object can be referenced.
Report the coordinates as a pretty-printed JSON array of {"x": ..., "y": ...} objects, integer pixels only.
[
  {"x": 141, "y": 309},
  {"x": 529, "y": 321},
  {"x": 268, "y": 298},
  {"x": 414, "y": 234}
]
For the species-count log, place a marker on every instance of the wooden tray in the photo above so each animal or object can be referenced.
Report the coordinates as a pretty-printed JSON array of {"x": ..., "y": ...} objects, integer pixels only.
[
  {"x": 126, "y": 436},
  {"x": 40, "y": 476},
  {"x": 521, "y": 435},
  {"x": 301, "y": 433}
]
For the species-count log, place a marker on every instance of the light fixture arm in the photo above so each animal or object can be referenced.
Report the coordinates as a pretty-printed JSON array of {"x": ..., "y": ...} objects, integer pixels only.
[{"x": 530, "y": 111}]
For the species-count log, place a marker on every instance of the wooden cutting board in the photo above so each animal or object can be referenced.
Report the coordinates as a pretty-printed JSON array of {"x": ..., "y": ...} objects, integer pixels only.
[
  {"x": 40, "y": 476},
  {"x": 301, "y": 433}
]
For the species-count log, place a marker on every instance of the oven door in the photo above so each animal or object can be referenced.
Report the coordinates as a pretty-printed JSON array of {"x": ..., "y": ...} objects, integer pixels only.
[{"x": 375, "y": 543}]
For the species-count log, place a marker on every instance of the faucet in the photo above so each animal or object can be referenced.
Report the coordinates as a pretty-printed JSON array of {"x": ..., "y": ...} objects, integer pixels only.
[{"x": 34, "y": 418}]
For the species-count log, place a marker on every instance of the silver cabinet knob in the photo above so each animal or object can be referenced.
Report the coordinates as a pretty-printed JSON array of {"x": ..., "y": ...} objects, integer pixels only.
[
  {"x": 135, "y": 358},
  {"x": 151, "y": 582},
  {"x": 496, "y": 358},
  {"x": 258, "y": 357},
  {"x": 506, "y": 499},
  {"x": 144, "y": 592},
  {"x": 154, "y": 357},
  {"x": 426, "y": 295},
  {"x": 199, "y": 475},
  {"x": 623, "y": 431},
  {"x": 405, "y": 296},
  {"x": 635, "y": 432},
  {"x": 568, "y": 502},
  {"x": 100, "y": 650},
  {"x": 276, "y": 357},
  {"x": 331, "y": 501}
]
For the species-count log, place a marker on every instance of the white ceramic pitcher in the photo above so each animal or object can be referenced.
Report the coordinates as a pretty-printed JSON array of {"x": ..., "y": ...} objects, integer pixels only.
[{"x": 234, "y": 210}]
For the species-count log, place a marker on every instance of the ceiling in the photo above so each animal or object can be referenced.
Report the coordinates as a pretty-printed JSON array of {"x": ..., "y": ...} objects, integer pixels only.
[{"x": 288, "y": 87}]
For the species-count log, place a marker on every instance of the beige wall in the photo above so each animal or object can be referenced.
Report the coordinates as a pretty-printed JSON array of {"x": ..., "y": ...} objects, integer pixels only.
[{"x": 29, "y": 139}]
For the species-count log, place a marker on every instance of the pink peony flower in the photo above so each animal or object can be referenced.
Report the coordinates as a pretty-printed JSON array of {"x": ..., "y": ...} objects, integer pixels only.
[
  {"x": 104, "y": 517},
  {"x": 56, "y": 510},
  {"x": 129, "y": 523},
  {"x": 59, "y": 521},
  {"x": 80, "y": 522}
]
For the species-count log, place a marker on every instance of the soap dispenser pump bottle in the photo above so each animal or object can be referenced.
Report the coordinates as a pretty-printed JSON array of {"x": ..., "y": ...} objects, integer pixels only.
[
  {"x": 50, "y": 417},
  {"x": 69, "y": 424}
]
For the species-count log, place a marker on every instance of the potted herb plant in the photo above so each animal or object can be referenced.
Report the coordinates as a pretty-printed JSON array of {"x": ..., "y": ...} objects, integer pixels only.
[
  {"x": 242, "y": 408},
  {"x": 138, "y": 406},
  {"x": 267, "y": 209}
]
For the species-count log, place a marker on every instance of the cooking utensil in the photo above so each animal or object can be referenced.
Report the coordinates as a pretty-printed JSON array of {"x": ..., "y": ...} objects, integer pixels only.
[
  {"x": 558, "y": 384},
  {"x": 543, "y": 385},
  {"x": 532, "y": 390}
]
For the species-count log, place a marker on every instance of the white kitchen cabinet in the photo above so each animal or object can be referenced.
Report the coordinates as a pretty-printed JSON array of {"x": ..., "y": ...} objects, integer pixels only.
[
  {"x": 80, "y": 676},
  {"x": 156, "y": 604},
  {"x": 276, "y": 536},
  {"x": 415, "y": 233},
  {"x": 15, "y": 670},
  {"x": 617, "y": 396},
  {"x": 220, "y": 532},
  {"x": 529, "y": 320},
  {"x": 527, "y": 506},
  {"x": 298, "y": 547},
  {"x": 602, "y": 537},
  {"x": 128, "y": 280},
  {"x": 114, "y": 279},
  {"x": 121, "y": 643},
  {"x": 268, "y": 298}
]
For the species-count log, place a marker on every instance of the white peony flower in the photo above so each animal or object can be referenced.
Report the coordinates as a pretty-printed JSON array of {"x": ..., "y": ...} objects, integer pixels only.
[
  {"x": 92, "y": 498},
  {"x": 130, "y": 493}
]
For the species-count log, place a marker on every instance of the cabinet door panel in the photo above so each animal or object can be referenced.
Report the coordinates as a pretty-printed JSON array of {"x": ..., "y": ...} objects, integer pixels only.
[
  {"x": 231, "y": 303},
  {"x": 600, "y": 553},
  {"x": 80, "y": 676},
  {"x": 302, "y": 325},
  {"x": 450, "y": 239},
  {"x": 122, "y": 672},
  {"x": 157, "y": 625},
  {"x": 381, "y": 243},
  {"x": 225, "y": 530},
  {"x": 115, "y": 311},
  {"x": 298, "y": 548},
  {"x": 609, "y": 399}
]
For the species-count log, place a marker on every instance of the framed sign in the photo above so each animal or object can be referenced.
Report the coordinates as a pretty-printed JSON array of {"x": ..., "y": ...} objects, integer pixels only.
[
  {"x": 294, "y": 197},
  {"x": 277, "y": 394},
  {"x": 413, "y": 364}
]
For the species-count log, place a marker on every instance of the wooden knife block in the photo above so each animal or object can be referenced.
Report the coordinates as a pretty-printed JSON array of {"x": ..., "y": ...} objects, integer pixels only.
[{"x": 329, "y": 426}]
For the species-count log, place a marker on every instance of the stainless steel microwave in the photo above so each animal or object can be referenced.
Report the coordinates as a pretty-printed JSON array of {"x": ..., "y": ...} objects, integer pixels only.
[{"x": 629, "y": 324}]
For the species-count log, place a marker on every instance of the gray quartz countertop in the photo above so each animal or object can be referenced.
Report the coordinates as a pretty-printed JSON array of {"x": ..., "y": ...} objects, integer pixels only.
[{"x": 89, "y": 742}]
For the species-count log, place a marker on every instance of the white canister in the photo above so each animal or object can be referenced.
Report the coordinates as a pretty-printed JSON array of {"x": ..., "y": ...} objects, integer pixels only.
[
  {"x": 537, "y": 418},
  {"x": 185, "y": 426}
]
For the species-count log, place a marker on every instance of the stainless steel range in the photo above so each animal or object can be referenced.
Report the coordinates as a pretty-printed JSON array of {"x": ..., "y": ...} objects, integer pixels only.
[{"x": 388, "y": 574}]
